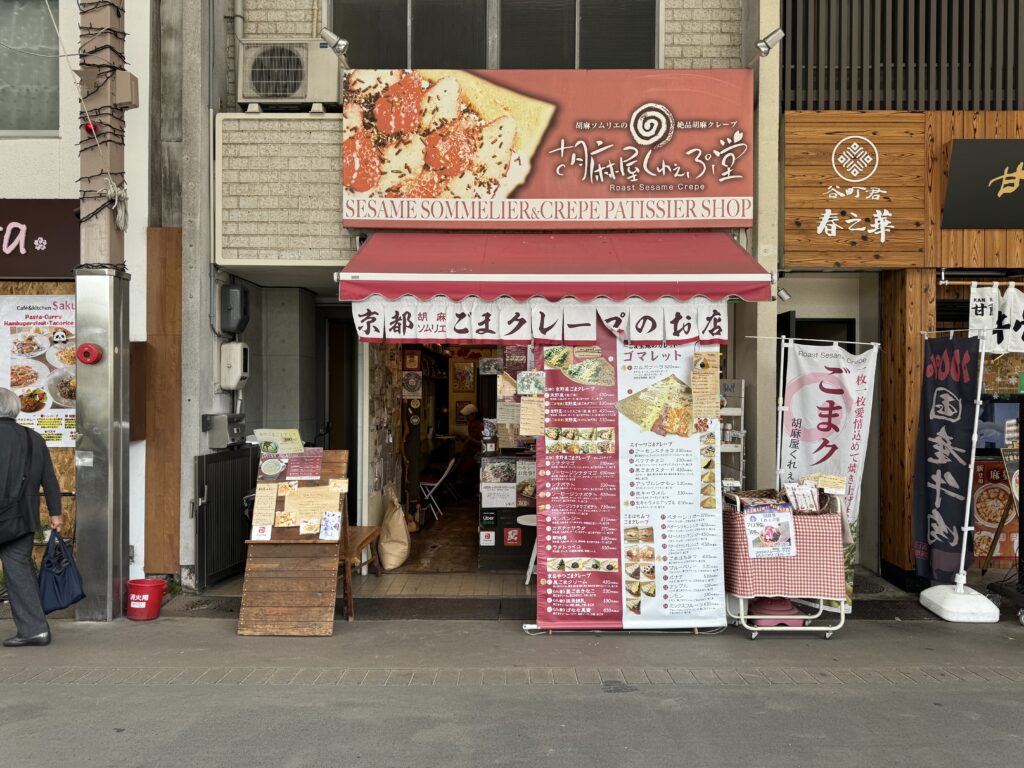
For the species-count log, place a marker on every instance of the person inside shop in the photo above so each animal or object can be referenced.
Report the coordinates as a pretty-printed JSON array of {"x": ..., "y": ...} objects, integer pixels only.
[
  {"x": 24, "y": 466},
  {"x": 468, "y": 466}
]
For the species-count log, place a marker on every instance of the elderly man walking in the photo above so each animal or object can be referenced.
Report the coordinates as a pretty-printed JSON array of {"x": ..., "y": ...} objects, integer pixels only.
[{"x": 24, "y": 466}]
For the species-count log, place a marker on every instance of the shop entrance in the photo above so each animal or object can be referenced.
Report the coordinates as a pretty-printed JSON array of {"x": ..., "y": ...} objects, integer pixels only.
[{"x": 432, "y": 418}]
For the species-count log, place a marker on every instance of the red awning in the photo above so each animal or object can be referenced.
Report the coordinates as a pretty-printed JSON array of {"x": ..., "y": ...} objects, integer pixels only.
[{"x": 616, "y": 266}]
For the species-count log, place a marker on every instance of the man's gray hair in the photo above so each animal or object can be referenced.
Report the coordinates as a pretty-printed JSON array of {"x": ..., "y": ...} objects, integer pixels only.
[{"x": 10, "y": 404}]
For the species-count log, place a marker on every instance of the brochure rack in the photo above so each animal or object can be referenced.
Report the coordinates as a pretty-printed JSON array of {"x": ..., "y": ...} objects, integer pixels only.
[{"x": 816, "y": 574}]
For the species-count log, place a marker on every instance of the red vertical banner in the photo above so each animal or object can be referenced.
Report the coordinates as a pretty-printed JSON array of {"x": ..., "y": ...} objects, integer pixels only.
[{"x": 578, "y": 522}]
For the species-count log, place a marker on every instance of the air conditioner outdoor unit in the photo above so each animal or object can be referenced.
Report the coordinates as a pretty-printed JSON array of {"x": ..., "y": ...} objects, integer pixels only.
[{"x": 287, "y": 72}]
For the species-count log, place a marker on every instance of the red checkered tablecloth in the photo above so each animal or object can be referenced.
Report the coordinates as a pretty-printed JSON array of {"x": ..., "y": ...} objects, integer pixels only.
[{"x": 816, "y": 571}]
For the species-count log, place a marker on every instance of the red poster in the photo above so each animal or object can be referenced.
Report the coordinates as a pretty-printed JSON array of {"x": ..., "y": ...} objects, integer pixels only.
[
  {"x": 578, "y": 524},
  {"x": 540, "y": 149},
  {"x": 991, "y": 497}
]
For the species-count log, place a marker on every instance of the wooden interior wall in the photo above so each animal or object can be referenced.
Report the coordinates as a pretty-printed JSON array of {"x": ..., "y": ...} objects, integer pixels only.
[
  {"x": 63, "y": 458},
  {"x": 908, "y": 298},
  {"x": 163, "y": 403}
]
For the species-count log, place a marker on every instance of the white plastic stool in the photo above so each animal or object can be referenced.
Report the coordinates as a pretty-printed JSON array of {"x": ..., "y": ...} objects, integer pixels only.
[{"x": 530, "y": 520}]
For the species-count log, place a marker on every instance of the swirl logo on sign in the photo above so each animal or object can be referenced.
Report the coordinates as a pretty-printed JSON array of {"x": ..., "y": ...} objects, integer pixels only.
[{"x": 652, "y": 124}]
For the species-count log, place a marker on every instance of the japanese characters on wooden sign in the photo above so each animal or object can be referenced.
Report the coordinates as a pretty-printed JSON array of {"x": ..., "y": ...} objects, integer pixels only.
[
  {"x": 854, "y": 187},
  {"x": 441, "y": 320}
]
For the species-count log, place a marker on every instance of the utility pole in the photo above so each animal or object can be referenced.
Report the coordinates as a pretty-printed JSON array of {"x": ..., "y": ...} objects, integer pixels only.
[{"x": 101, "y": 289}]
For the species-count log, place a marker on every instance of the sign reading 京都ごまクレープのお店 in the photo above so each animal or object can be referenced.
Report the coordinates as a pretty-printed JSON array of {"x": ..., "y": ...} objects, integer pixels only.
[
  {"x": 854, "y": 189},
  {"x": 536, "y": 149}
]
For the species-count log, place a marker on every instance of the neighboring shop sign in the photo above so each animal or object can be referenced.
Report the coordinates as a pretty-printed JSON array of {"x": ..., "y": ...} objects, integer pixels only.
[
  {"x": 38, "y": 239},
  {"x": 37, "y": 361},
  {"x": 628, "y": 491},
  {"x": 986, "y": 185},
  {"x": 537, "y": 149},
  {"x": 829, "y": 394},
  {"x": 854, "y": 187},
  {"x": 994, "y": 502},
  {"x": 997, "y": 317},
  {"x": 943, "y": 468},
  {"x": 441, "y": 320}
]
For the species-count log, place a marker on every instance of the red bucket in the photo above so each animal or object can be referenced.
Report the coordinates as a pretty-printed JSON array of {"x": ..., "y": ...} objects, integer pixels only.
[{"x": 144, "y": 598}]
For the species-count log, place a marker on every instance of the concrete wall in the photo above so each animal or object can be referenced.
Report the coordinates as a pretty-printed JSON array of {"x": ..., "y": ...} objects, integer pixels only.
[
  {"x": 702, "y": 34},
  {"x": 279, "y": 181}
]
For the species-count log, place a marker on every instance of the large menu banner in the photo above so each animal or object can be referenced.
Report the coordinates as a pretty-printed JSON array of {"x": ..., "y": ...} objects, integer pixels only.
[
  {"x": 537, "y": 149},
  {"x": 37, "y": 361},
  {"x": 943, "y": 466},
  {"x": 629, "y": 500}
]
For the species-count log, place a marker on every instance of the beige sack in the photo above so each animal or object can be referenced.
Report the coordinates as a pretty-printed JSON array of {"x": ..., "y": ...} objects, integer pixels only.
[{"x": 394, "y": 537}]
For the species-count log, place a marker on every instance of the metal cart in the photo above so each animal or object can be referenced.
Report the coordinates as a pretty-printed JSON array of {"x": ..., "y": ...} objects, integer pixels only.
[{"x": 816, "y": 574}]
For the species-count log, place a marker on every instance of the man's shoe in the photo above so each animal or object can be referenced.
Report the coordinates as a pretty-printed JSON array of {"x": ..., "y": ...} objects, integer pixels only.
[{"x": 43, "y": 638}]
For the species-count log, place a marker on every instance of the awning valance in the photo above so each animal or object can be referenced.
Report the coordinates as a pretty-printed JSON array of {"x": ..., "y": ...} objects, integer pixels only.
[{"x": 585, "y": 266}]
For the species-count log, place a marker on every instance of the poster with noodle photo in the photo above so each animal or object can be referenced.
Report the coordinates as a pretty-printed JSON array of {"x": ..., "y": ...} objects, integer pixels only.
[
  {"x": 37, "y": 362},
  {"x": 542, "y": 149}
]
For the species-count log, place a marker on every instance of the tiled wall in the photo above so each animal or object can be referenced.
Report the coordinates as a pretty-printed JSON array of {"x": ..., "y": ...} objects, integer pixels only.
[{"x": 703, "y": 34}]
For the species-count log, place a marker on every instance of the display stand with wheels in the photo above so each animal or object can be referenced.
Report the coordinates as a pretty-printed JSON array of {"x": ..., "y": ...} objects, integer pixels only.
[{"x": 814, "y": 574}]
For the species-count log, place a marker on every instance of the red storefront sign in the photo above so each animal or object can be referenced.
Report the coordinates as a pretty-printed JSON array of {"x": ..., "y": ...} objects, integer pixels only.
[{"x": 536, "y": 149}]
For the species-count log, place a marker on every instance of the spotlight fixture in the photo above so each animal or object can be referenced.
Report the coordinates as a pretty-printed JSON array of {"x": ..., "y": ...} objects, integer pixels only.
[
  {"x": 784, "y": 295},
  {"x": 339, "y": 44},
  {"x": 765, "y": 44}
]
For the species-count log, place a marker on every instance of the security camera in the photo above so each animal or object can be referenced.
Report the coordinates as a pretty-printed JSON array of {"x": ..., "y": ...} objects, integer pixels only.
[{"x": 772, "y": 39}]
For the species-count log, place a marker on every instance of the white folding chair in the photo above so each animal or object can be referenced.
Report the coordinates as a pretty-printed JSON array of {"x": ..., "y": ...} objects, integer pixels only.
[{"x": 428, "y": 491}]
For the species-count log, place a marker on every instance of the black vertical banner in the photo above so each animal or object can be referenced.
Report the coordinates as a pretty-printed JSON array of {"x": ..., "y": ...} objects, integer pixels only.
[{"x": 943, "y": 462}]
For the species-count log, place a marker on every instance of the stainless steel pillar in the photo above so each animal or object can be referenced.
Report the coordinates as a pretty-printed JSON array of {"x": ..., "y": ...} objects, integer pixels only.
[{"x": 101, "y": 450}]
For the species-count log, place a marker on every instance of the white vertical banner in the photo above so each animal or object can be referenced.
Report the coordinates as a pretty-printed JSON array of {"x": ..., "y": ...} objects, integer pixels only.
[
  {"x": 546, "y": 320},
  {"x": 579, "y": 322},
  {"x": 984, "y": 304},
  {"x": 646, "y": 323},
  {"x": 1009, "y": 330},
  {"x": 514, "y": 320},
  {"x": 369, "y": 318}
]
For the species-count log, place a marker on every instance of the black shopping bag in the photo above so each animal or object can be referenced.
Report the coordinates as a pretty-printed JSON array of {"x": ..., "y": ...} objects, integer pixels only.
[{"x": 60, "y": 583}]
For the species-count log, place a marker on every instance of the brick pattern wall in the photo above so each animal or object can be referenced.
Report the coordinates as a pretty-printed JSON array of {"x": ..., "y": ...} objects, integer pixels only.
[
  {"x": 293, "y": 19},
  {"x": 280, "y": 185},
  {"x": 230, "y": 61},
  {"x": 703, "y": 34}
]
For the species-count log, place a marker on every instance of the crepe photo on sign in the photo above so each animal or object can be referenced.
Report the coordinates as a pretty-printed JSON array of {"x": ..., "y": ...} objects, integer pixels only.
[
  {"x": 665, "y": 408},
  {"x": 437, "y": 133}
]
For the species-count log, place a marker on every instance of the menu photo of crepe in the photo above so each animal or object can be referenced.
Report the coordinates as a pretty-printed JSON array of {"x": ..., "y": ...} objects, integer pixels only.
[
  {"x": 665, "y": 407},
  {"x": 579, "y": 440},
  {"x": 634, "y": 534},
  {"x": 638, "y": 552},
  {"x": 597, "y": 372},
  {"x": 557, "y": 357},
  {"x": 633, "y": 605},
  {"x": 648, "y": 588},
  {"x": 632, "y": 587},
  {"x": 639, "y": 571}
]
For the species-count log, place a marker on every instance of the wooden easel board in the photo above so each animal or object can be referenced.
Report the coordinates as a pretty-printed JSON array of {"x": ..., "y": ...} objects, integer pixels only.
[{"x": 291, "y": 581}]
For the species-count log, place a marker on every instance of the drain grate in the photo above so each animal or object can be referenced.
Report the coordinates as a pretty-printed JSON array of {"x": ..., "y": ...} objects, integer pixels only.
[{"x": 867, "y": 589}]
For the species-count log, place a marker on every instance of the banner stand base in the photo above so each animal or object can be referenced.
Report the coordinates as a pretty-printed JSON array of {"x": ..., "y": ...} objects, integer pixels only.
[{"x": 968, "y": 606}]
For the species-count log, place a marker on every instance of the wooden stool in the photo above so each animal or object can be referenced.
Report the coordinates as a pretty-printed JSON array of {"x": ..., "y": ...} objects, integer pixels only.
[{"x": 357, "y": 539}]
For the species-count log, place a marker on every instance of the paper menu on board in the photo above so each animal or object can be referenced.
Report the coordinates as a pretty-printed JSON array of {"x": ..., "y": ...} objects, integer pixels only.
[
  {"x": 507, "y": 413},
  {"x": 309, "y": 504},
  {"x": 769, "y": 530},
  {"x": 265, "y": 504},
  {"x": 498, "y": 495},
  {"x": 531, "y": 415},
  {"x": 305, "y": 465},
  {"x": 279, "y": 440}
]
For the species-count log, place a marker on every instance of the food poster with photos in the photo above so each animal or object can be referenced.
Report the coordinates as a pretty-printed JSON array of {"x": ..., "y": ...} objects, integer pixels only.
[
  {"x": 670, "y": 470},
  {"x": 995, "y": 491},
  {"x": 38, "y": 363},
  {"x": 628, "y": 494}
]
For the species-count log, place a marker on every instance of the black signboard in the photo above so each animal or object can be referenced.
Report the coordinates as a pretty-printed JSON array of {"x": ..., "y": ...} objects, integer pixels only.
[
  {"x": 38, "y": 239},
  {"x": 943, "y": 463},
  {"x": 986, "y": 185}
]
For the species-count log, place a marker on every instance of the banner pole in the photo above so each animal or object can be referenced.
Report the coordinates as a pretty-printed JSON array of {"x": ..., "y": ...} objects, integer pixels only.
[
  {"x": 961, "y": 575},
  {"x": 780, "y": 400}
]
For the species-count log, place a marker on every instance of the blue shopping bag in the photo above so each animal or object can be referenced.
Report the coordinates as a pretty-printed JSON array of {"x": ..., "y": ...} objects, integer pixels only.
[{"x": 60, "y": 583}]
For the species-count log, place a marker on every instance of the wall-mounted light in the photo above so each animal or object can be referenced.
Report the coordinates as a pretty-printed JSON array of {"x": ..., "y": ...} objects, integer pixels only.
[
  {"x": 339, "y": 45},
  {"x": 784, "y": 295},
  {"x": 765, "y": 44}
]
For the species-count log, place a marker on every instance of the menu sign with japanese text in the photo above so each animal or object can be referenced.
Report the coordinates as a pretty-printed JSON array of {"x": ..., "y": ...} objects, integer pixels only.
[
  {"x": 538, "y": 149},
  {"x": 38, "y": 362},
  {"x": 628, "y": 492},
  {"x": 943, "y": 466},
  {"x": 986, "y": 185}
]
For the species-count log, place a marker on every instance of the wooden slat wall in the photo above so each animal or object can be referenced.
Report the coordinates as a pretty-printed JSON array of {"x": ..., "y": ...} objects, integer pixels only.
[
  {"x": 909, "y": 299},
  {"x": 63, "y": 458},
  {"x": 915, "y": 149},
  {"x": 903, "y": 54},
  {"x": 163, "y": 404},
  {"x": 810, "y": 140}
]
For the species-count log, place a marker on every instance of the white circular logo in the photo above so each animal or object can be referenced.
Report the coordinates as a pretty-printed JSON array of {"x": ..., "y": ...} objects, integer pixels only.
[
  {"x": 652, "y": 124},
  {"x": 855, "y": 159}
]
